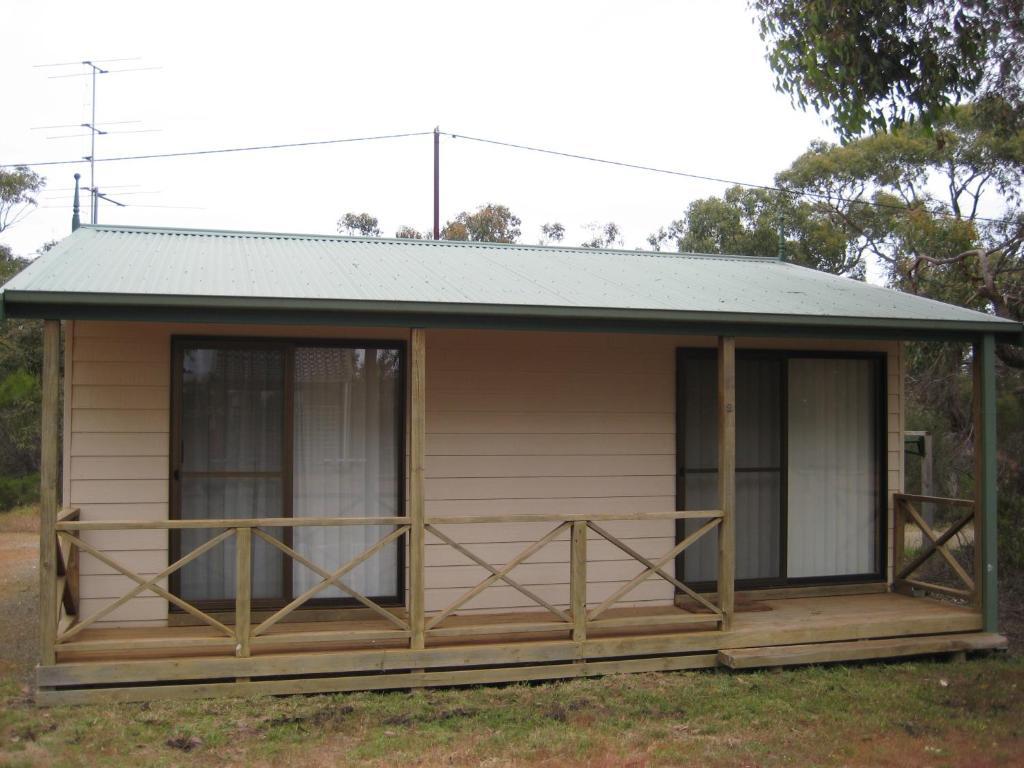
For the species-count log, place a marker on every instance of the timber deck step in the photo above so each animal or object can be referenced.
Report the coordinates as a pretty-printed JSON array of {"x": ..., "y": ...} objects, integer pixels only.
[{"x": 858, "y": 650}]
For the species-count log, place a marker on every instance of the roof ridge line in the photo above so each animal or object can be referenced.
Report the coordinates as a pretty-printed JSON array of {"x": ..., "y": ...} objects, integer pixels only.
[{"x": 196, "y": 232}]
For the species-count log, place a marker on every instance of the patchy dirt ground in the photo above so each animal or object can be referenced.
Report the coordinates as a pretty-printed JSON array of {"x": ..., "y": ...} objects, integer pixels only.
[{"x": 19, "y": 597}]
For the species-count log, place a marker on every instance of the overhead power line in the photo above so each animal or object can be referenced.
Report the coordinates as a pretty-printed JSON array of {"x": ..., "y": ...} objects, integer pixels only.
[
  {"x": 223, "y": 150},
  {"x": 509, "y": 145},
  {"x": 700, "y": 177}
]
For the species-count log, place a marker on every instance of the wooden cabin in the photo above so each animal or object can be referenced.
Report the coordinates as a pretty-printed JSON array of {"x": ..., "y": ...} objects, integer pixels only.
[{"x": 297, "y": 463}]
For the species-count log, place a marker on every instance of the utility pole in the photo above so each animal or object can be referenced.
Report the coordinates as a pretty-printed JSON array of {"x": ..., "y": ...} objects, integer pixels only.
[{"x": 437, "y": 183}]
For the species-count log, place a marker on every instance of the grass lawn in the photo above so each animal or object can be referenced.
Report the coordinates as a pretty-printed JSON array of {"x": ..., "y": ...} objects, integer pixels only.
[
  {"x": 912, "y": 714},
  {"x": 919, "y": 713}
]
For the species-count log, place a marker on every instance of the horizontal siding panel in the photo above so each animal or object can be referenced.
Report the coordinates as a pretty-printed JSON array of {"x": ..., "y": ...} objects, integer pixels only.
[
  {"x": 118, "y": 491},
  {"x": 155, "y": 373},
  {"x": 112, "y": 586},
  {"x": 138, "y": 609},
  {"x": 152, "y": 349},
  {"x": 451, "y": 363},
  {"x": 548, "y": 488},
  {"x": 143, "y": 562},
  {"x": 549, "y": 445},
  {"x": 127, "y": 541},
  {"x": 117, "y": 397},
  {"x": 563, "y": 400},
  {"x": 501, "y": 597},
  {"x": 465, "y": 533},
  {"x": 120, "y": 444},
  {"x": 497, "y": 554},
  {"x": 547, "y": 466},
  {"x": 532, "y": 575},
  {"x": 123, "y": 511},
  {"x": 576, "y": 506},
  {"x": 509, "y": 422},
  {"x": 119, "y": 468},
  {"x": 126, "y": 420}
]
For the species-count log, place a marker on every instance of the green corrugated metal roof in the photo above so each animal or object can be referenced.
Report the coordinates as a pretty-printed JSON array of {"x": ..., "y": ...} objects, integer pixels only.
[{"x": 108, "y": 271}]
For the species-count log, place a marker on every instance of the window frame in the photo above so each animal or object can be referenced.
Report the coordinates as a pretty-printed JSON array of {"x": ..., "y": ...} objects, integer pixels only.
[
  {"x": 880, "y": 364},
  {"x": 287, "y": 345}
]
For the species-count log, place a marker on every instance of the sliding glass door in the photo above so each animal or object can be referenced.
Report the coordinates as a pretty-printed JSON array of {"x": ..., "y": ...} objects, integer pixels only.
[
  {"x": 809, "y": 483},
  {"x": 287, "y": 429}
]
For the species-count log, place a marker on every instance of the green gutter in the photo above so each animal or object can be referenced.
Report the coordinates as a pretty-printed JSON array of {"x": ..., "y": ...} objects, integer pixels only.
[{"x": 250, "y": 310}]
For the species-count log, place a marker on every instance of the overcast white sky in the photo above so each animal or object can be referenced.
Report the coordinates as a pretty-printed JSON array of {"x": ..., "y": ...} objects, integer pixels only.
[{"x": 682, "y": 85}]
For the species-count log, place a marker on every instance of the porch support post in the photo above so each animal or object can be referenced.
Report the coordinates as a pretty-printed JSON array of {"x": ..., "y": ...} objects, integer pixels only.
[
  {"x": 48, "y": 474},
  {"x": 243, "y": 590},
  {"x": 985, "y": 514},
  {"x": 727, "y": 476},
  {"x": 578, "y": 580},
  {"x": 417, "y": 505}
]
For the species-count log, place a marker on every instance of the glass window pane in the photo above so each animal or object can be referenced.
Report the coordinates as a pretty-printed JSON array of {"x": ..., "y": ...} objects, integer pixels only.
[
  {"x": 346, "y": 453},
  {"x": 758, "y": 449},
  {"x": 232, "y": 410},
  {"x": 211, "y": 576},
  {"x": 833, "y": 467}
]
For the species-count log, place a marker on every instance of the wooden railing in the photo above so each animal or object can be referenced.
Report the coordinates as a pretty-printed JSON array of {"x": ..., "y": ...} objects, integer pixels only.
[
  {"x": 906, "y": 566},
  {"x": 580, "y": 617},
  {"x": 244, "y": 634}
]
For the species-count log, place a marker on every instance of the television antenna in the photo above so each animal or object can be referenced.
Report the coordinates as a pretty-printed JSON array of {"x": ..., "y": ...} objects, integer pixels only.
[{"x": 94, "y": 69}]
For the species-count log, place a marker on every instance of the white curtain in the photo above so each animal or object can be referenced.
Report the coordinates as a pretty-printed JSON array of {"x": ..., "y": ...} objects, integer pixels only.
[
  {"x": 345, "y": 460},
  {"x": 833, "y": 481},
  {"x": 232, "y": 418}
]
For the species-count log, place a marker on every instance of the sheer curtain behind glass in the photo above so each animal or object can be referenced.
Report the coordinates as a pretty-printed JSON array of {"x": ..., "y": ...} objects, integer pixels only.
[
  {"x": 833, "y": 481},
  {"x": 345, "y": 460},
  {"x": 231, "y": 429}
]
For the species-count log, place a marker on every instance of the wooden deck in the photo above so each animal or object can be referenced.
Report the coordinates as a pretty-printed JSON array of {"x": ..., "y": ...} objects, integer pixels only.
[{"x": 307, "y": 657}]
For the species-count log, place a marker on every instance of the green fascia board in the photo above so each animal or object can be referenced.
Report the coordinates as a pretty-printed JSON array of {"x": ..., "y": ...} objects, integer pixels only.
[{"x": 257, "y": 310}]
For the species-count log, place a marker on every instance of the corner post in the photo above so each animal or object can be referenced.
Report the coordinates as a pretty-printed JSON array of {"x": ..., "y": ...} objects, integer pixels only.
[
  {"x": 985, "y": 511},
  {"x": 48, "y": 474},
  {"x": 727, "y": 477},
  {"x": 417, "y": 504},
  {"x": 578, "y": 580}
]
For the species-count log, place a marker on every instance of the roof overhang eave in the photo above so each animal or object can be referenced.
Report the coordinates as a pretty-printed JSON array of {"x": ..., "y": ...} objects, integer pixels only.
[{"x": 270, "y": 310}]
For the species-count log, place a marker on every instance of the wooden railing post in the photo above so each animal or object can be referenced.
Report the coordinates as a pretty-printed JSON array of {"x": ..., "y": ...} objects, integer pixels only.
[
  {"x": 48, "y": 473},
  {"x": 417, "y": 504},
  {"x": 985, "y": 513},
  {"x": 899, "y": 538},
  {"x": 578, "y": 580},
  {"x": 727, "y": 476},
  {"x": 243, "y": 590}
]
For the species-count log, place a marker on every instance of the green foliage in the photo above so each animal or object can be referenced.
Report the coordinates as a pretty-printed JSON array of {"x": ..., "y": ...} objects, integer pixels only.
[
  {"x": 879, "y": 64},
  {"x": 604, "y": 236},
  {"x": 490, "y": 223},
  {"x": 359, "y": 224},
  {"x": 409, "y": 233},
  {"x": 757, "y": 222},
  {"x": 20, "y": 374},
  {"x": 18, "y": 491},
  {"x": 18, "y": 188},
  {"x": 553, "y": 232}
]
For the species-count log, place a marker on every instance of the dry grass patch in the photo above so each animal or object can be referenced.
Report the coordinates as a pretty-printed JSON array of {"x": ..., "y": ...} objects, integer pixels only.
[{"x": 910, "y": 714}]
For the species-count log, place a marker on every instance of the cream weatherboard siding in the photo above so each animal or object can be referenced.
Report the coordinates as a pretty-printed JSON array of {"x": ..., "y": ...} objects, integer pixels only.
[{"x": 517, "y": 422}]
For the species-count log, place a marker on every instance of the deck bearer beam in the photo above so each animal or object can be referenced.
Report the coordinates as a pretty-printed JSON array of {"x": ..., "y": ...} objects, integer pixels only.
[
  {"x": 727, "y": 476},
  {"x": 48, "y": 473},
  {"x": 417, "y": 504},
  {"x": 985, "y": 521}
]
